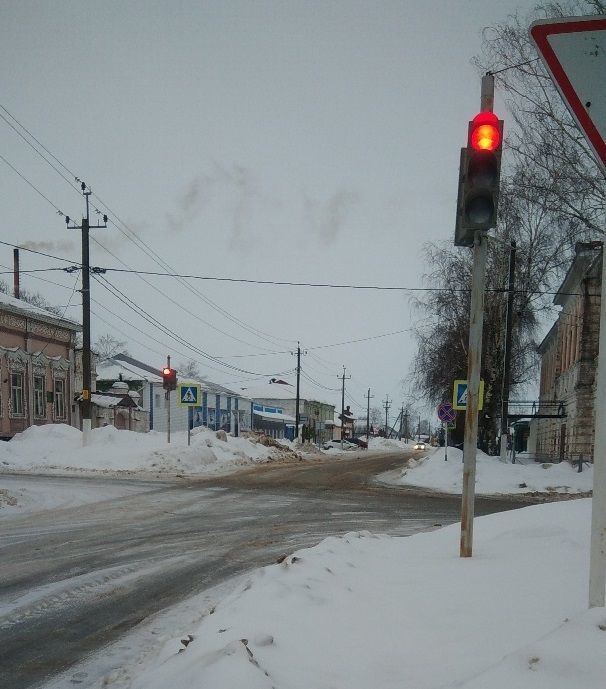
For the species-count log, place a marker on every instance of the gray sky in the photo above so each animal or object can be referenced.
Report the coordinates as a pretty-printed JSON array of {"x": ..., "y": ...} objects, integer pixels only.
[{"x": 293, "y": 141}]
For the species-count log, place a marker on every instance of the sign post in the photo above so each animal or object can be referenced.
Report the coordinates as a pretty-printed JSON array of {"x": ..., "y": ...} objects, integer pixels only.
[
  {"x": 574, "y": 51},
  {"x": 188, "y": 395},
  {"x": 447, "y": 415}
]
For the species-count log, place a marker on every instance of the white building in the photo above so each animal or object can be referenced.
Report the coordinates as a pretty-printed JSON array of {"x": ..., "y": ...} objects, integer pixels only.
[
  {"x": 220, "y": 407},
  {"x": 275, "y": 408}
]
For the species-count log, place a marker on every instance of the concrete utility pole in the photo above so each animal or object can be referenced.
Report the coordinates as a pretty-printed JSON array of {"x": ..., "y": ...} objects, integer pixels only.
[
  {"x": 368, "y": 398},
  {"x": 343, "y": 378},
  {"x": 386, "y": 405},
  {"x": 167, "y": 396},
  {"x": 86, "y": 355},
  {"x": 406, "y": 433},
  {"x": 474, "y": 362},
  {"x": 297, "y": 415},
  {"x": 507, "y": 351},
  {"x": 401, "y": 423}
]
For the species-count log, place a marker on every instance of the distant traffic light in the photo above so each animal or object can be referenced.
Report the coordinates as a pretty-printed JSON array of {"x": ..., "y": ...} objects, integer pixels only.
[
  {"x": 479, "y": 176},
  {"x": 169, "y": 378}
]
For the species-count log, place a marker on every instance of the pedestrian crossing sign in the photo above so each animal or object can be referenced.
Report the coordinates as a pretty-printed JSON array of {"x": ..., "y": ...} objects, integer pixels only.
[
  {"x": 188, "y": 395},
  {"x": 459, "y": 395}
]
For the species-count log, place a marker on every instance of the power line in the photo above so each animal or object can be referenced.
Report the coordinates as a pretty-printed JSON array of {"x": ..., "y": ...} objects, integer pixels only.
[
  {"x": 392, "y": 288},
  {"x": 167, "y": 331},
  {"x": 130, "y": 234}
]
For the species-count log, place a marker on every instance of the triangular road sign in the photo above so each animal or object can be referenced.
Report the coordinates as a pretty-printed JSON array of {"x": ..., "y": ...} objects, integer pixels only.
[{"x": 574, "y": 51}]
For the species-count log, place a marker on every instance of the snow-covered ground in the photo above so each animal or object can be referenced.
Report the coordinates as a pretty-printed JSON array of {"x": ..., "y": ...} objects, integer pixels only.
[
  {"x": 493, "y": 477},
  {"x": 58, "y": 448},
  {"x": 364, "y": 611}
]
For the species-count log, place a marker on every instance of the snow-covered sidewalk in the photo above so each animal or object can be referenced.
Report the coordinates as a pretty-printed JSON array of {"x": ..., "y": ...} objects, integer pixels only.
[
  {"x": 365, "y": 611},
  {"x": 493, "y": 477}
]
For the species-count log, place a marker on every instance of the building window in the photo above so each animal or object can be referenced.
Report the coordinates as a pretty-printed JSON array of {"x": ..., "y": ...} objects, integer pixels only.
[
  {"x": 59, "y": 398},
  {"x": 39, "y": 397},
  {"x": 17, "y": 403}
]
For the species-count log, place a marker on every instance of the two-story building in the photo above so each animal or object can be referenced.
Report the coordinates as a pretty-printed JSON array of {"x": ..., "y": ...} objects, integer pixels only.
[
  {"x": 36, "y": 366},
  {"x": 569, "y": 362},
  {"x": 275, "y": 409}
]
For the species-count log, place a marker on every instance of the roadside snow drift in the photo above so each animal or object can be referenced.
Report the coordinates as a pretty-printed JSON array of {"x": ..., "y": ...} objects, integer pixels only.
[
  {"x": 493, "y": 477},
  {"x": 58, "y": 447},
  {"x": 374, "y": 611}
]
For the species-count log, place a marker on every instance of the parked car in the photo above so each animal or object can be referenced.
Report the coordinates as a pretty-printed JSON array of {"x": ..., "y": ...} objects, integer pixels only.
[
  {"x": 359, "y": 442},
  {"x": 336, "y": 444},
  {"x": 420, "y": 445}
]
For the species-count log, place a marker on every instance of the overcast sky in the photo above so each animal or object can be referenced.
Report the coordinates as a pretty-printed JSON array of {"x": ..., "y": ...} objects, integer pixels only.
[{"x": 288, "y": 141}]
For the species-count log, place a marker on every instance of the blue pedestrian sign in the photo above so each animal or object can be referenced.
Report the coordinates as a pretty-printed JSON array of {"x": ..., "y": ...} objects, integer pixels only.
[
  {"x": 188, "y": 395},
  {"x": 459, "y": 395}
]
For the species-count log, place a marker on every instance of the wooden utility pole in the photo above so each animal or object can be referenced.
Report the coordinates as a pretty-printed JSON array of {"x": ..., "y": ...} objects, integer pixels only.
[
  {"x": 86, "y": 355},
  {"x": 368, "y": 398},
  {"x": 343, "y": 379},
  {"x": 507, "y": 352}
]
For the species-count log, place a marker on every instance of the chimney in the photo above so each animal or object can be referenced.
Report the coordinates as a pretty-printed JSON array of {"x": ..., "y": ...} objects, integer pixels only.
[{"x": 16, "y": 273}]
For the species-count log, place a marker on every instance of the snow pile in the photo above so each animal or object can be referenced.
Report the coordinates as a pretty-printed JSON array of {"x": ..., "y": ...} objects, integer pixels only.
[
  {"x": 388, "y": 444},
  {"x": 374, "y": 611},
  {"x": 58, "y": 447},
  {"x": 493, "y": 477}
]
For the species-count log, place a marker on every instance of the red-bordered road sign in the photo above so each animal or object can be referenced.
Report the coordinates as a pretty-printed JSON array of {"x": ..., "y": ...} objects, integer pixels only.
[
  {"x": 574, "y": 51},
  {"x": 446, "y": 413}
]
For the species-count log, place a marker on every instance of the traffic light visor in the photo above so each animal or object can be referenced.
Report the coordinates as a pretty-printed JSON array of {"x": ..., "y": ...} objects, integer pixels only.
[{"x": 485, "y": 133}]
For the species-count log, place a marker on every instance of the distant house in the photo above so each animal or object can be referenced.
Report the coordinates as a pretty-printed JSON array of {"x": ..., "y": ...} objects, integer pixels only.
[
  {"x": 36, "y": 366},
  {"x": 274, "y": 410},
  {"x": 569, "y": 362},
  {"x": 119, "y": 407},
  {"x": 343, "y": 424},
  {"x": 220, "y": 408}
]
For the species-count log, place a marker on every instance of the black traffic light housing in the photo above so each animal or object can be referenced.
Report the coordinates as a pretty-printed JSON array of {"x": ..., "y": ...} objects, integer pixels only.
[
  {"x": 169, "y": 378},
  {"x": 479, "y": 178}
]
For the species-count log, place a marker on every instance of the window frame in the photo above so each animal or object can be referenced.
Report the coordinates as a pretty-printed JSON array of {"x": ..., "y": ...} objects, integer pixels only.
[
  {"x": 39, "y": 396},
  {"x": 17, "y": 394},
  {"x": 59, "y": 400}
]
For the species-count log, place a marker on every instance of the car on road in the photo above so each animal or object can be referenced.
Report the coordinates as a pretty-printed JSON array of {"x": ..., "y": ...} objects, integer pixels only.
[
  {"x": 336, "y": 445},
  {"x": 420, "y": 445}
]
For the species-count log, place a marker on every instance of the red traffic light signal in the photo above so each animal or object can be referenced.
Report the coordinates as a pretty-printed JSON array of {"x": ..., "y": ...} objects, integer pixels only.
[
  {"x": 479, "y": 177},
  {"x": 485, "y": 132},
  {"x": 169, "y": 378}
]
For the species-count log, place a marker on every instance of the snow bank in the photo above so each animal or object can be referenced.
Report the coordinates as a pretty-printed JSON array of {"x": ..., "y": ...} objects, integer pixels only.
[
  {"x": 58, "y": 447},
  {"x": 374, "y": 611},
  {"x": 493, "y": 477}
]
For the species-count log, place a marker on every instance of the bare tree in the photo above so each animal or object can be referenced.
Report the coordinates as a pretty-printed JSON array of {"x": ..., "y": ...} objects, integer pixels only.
[
  {"x": 189, "y": 369},
  {"x": 542, "y": 138},
  {"x": 33, "y": 298},
  {"x": 108, "y": 346}
]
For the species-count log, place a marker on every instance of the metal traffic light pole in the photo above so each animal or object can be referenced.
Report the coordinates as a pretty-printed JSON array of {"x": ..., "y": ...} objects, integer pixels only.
[{"x": 474, "y": 362}]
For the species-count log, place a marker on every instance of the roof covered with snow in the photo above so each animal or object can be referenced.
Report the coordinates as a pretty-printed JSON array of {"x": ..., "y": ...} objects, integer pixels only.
[
  {"x": 8, "y": 303},
  {"x": 282, "y": 391}
]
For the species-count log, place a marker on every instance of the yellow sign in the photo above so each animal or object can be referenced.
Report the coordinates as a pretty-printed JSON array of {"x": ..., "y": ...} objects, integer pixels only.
[
  {"x": 85, "y": 394},
  {"x": 459, "y": 395}
]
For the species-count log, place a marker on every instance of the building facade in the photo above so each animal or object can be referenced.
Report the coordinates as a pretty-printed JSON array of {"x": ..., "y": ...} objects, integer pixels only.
[
  {"x": 569, "y": 362},
  {"x": 280, "y": 397},
  {"x": 36, "y": 366},
  {"x": 220, "y": 407}
]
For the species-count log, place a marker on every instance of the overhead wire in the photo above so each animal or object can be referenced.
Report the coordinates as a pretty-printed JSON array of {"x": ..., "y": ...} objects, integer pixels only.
[{"x": 130, "y": 234}]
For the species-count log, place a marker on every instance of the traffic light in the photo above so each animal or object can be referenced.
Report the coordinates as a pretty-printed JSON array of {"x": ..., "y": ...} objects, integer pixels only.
[
  {"x": 169, "y": 378},
  {"x": 479, "y": 175}
]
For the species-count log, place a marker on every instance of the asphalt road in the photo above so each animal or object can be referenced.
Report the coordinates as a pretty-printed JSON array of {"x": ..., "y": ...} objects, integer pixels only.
[{"x": 73, "y": 580}]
